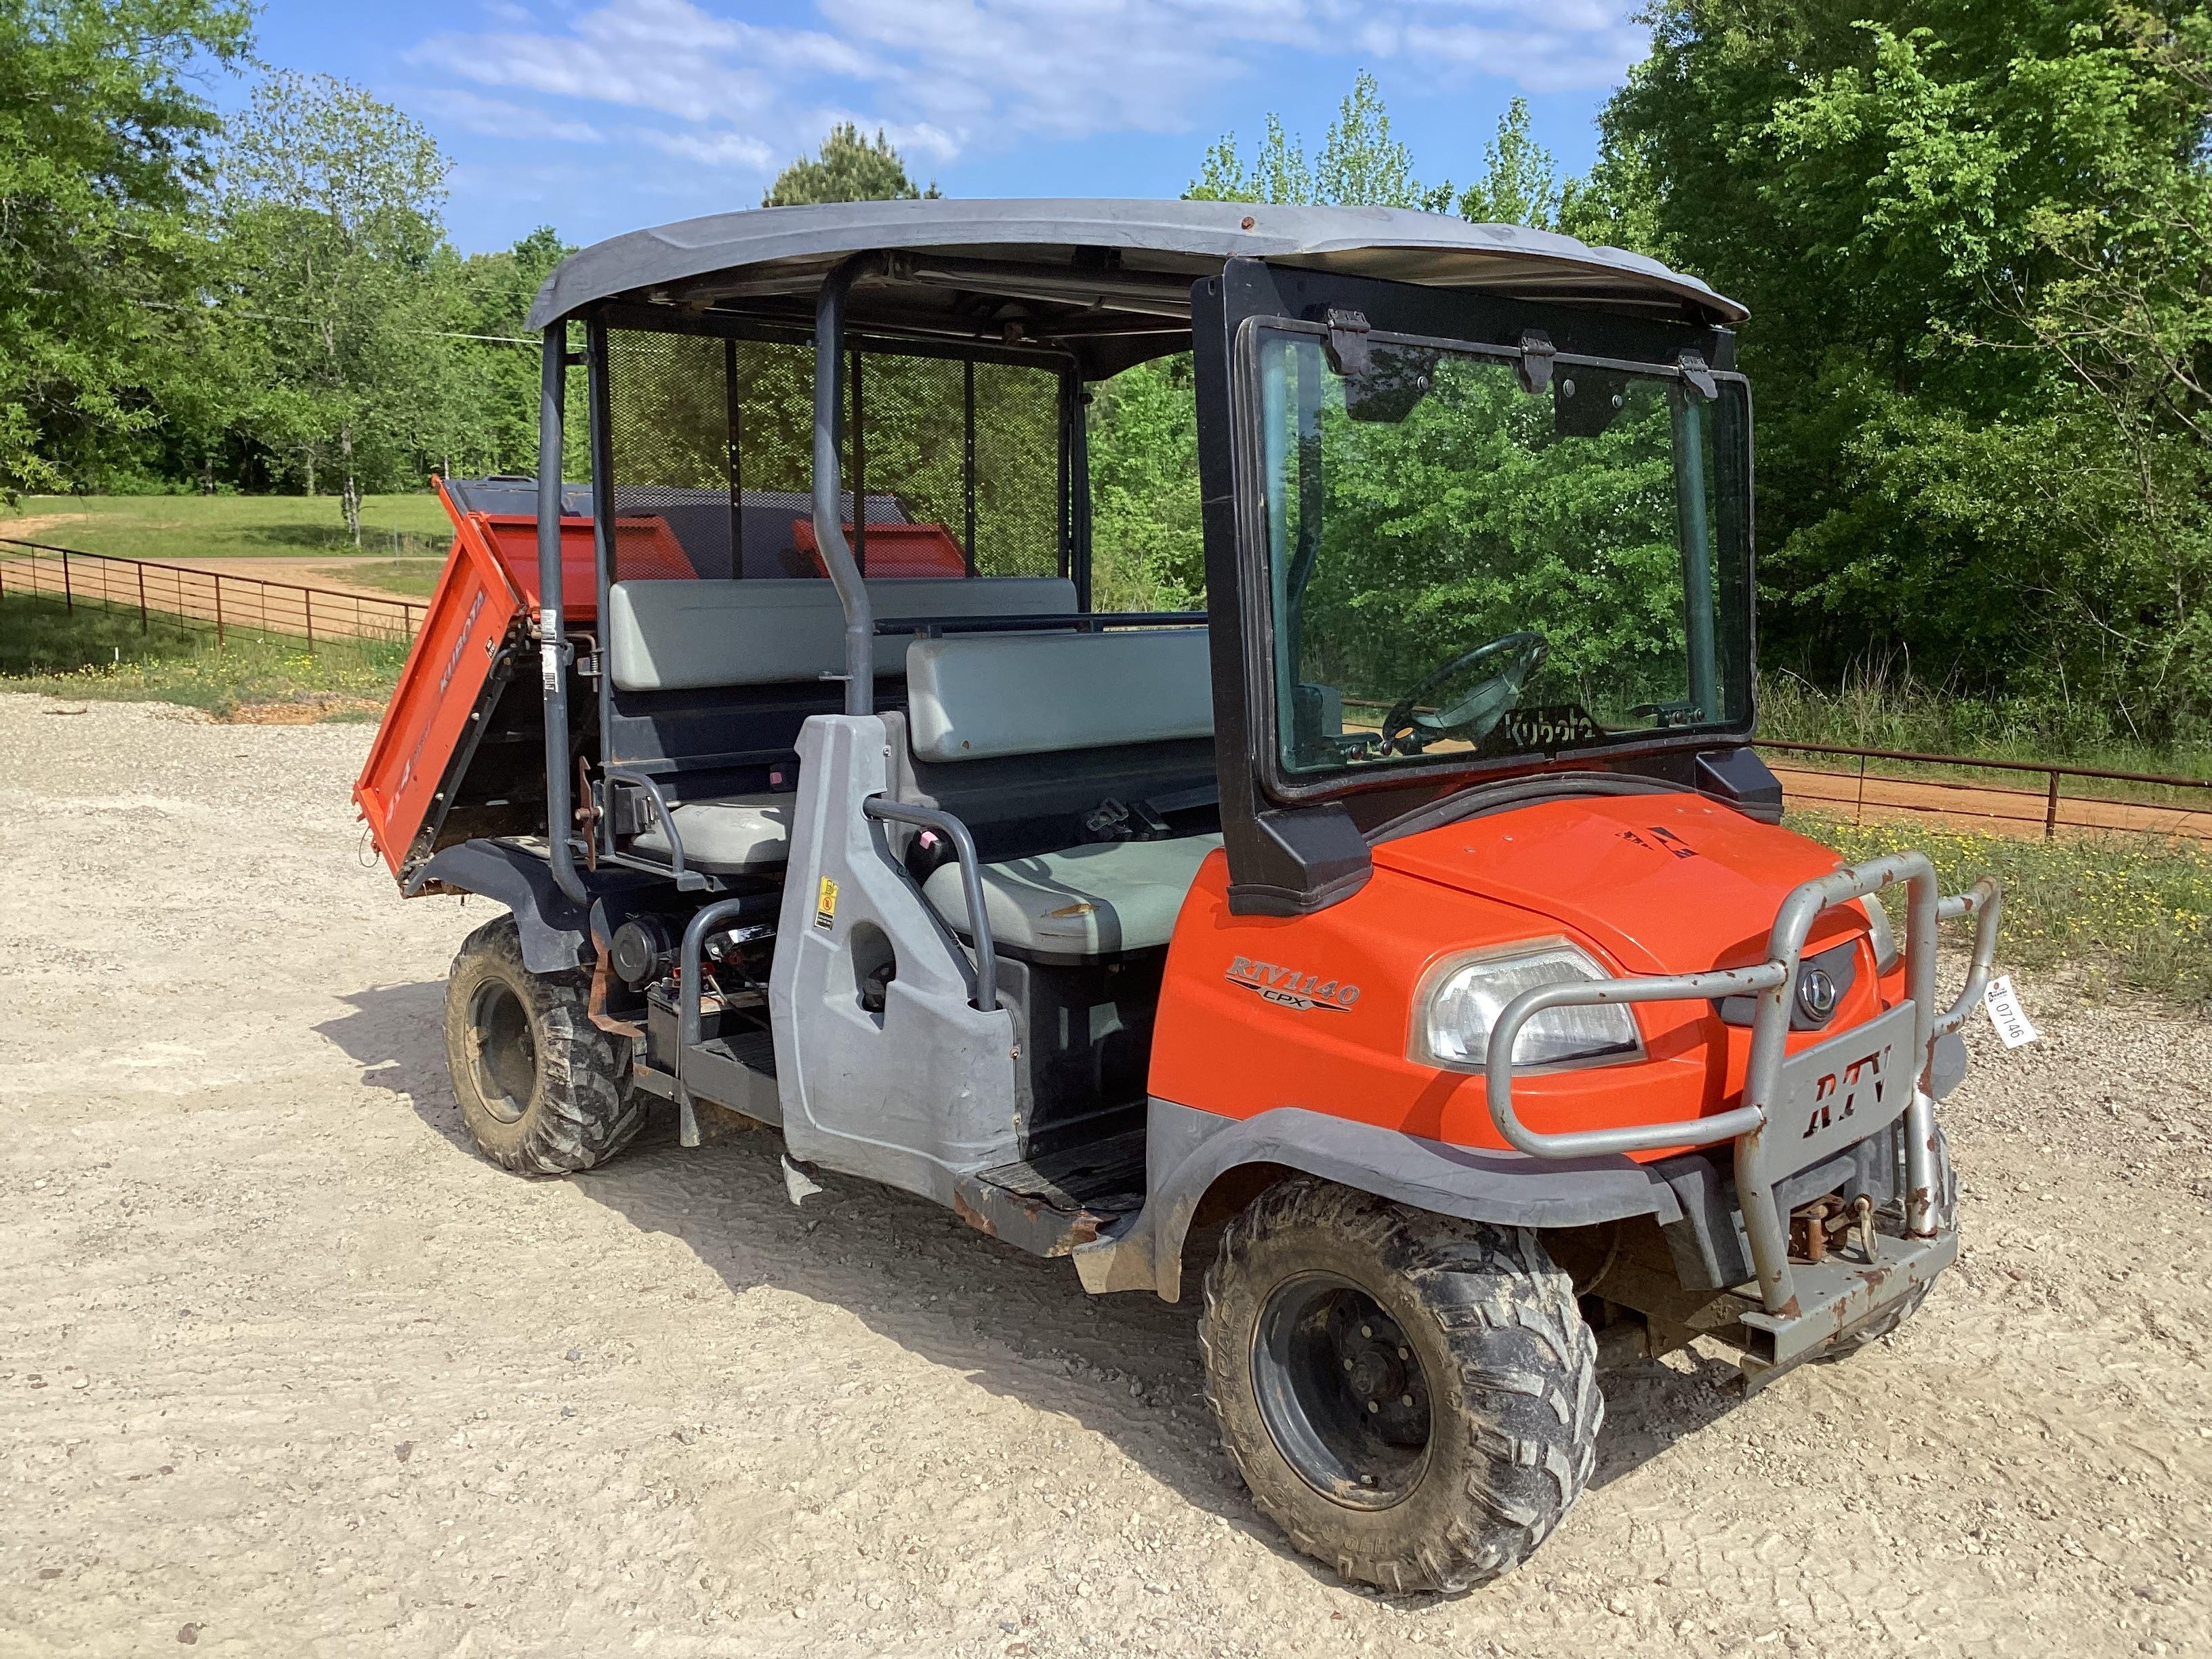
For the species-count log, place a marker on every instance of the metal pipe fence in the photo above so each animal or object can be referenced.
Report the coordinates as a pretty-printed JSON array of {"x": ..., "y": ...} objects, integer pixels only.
[
  {"x": 211, "y": 601},
  {"x": 1850, "y": 779}
]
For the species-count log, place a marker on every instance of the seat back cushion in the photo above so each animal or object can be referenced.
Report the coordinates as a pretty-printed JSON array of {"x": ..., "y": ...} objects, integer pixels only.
[
  {"x": 972, "y": 697},
  {"x": 686, "y": 636}
]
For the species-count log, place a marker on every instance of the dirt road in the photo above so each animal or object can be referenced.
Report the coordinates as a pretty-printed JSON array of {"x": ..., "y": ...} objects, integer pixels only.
[{"x": 285, "y": 1370}]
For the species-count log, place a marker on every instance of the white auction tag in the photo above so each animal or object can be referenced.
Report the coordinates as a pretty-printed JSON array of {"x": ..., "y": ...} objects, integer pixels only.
[{"x": 2014, "y": 1030}]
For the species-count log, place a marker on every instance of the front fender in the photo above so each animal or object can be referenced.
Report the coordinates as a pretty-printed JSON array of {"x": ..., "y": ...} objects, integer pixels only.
[{"x": 1186, "y": 1151}]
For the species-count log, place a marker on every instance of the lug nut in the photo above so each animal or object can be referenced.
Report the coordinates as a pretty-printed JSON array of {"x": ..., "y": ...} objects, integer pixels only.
[
  {"x": 1348, "y": 1365},
  {"x": 1367, "y": 1330},
  {"x": 1374, "y": 1405},
  {"x": 1405, "y": 1353},
  {"x": 1405, "y": 1399}
]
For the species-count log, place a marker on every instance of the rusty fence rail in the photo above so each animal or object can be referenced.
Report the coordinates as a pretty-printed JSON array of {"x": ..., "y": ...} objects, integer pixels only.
[
  {"x": 1841, "y": 776},
  {"x": 217, "y": 602}
]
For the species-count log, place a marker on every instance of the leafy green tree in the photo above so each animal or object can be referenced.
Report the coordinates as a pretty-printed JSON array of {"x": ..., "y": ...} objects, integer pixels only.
[
  {"x": 341, "y": 282},
  {"x": 104, "y": 143},
  {"x": 847, "y": 169},
  {"x": 492, "y": 416},
  {"x": 1520, "y": 183},
  {"x": 1147, "y": 539},
  {"x": 1360, "y": 164},
  {"x": 1972, "y": 240}
]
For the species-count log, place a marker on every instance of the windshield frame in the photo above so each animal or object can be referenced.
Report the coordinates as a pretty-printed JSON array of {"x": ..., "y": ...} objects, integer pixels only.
[{"x": 1255, "y": 573}]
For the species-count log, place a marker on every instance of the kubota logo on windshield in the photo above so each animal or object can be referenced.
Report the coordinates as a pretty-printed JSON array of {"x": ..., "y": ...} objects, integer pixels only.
[{"x": 1288, "y": 988}]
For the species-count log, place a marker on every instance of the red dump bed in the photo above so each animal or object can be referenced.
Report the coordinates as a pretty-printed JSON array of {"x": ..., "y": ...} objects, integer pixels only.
[{"x": 483, "y": 601}]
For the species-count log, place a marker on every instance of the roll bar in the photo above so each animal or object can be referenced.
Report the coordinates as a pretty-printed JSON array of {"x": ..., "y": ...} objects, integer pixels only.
[
  {"x": 552, "y": 636},
  {"x": 860, "y": 675}
]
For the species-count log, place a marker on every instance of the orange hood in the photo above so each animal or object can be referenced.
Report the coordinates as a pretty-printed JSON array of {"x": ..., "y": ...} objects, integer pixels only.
[{"x": 1660, "y": 883}]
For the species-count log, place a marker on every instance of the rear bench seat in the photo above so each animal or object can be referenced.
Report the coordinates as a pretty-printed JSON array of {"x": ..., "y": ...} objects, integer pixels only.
[
  {"x": 983, "y": 696},
  {"x": 674, "y": 636}
]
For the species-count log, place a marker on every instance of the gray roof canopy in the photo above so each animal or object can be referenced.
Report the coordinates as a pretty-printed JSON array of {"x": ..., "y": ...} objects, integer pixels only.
[{"x": 1133, "y": 258}]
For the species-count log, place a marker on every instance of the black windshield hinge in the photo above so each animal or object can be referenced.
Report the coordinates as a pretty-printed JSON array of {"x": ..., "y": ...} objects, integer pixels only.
[
  {"x": 1536, "y": 354},
  {"x": 1696, "y": 376},
  {"x": 1347, "y": 344}
]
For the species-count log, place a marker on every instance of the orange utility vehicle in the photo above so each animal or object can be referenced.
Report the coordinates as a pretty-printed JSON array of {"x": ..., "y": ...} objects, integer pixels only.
[{"x": 1413, "y": 921}]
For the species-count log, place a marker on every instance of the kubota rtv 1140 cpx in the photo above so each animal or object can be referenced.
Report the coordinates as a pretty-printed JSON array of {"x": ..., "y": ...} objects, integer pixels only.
[{"x": 1414, "y": 917}]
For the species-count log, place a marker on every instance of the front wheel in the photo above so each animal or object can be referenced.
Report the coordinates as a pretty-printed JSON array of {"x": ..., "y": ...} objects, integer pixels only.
[
  {"x": 542, "y": 1090},
  {"x": 1413, "y": 1399}
]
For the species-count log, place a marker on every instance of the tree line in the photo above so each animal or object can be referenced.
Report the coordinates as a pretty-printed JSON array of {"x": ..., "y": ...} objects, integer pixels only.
[{"x": 1972, "y": 235}]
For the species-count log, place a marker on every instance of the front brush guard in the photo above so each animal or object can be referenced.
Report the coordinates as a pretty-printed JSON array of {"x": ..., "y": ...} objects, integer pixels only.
[{"x": 1800, "y": 1109}]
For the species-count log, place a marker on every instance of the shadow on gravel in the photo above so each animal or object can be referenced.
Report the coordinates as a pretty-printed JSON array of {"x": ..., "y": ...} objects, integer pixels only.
[{"x": 1125, "y": 1366}]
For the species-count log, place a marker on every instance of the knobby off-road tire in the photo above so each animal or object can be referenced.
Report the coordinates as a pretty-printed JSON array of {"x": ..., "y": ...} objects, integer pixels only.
[
  {"x": 543, "y": 1089},
  {"x": 1947, "y": 1216},
  {"x": 1496, "y": 1360}
]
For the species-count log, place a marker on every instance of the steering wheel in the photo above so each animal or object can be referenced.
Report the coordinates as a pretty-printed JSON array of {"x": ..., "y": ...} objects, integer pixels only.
[{"x": 1475, "y": 715}]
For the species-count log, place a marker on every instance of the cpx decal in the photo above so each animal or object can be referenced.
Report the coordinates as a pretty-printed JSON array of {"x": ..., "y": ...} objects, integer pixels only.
[
  {"x": 1838, "y": 1094},
  {"x": 1289, "y": 988}
]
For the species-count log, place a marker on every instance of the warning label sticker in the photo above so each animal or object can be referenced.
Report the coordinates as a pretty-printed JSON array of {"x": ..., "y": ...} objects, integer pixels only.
[{"x": 825, "y": 903}]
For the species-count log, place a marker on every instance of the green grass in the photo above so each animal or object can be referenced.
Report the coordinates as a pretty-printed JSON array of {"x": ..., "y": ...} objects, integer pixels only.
[
  {"x": 104, "y": 654},
  {"x": 2123, "y": 913},
  {"x": 163, "y": 527},
  {"x": 1874, "y": 712}
]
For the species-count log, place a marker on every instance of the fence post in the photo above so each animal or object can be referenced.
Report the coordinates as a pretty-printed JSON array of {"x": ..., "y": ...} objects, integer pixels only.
[
  {"x": 308, "y": 594},
  {"x": 1858, "y": 813},
  {"x": 141, "y": 595},
  {"x": 218, "y": 611},
  {"x": 69, "y": 598},
  {"x": 2051, "y": 811}
]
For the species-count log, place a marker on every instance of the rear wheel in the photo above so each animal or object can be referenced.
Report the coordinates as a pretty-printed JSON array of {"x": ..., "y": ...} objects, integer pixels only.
[
  {"x": 1413, "y": 1399},
  {"x": 542, "y": 1090}
]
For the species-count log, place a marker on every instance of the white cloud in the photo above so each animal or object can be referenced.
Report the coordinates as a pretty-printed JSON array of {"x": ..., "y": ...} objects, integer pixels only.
[
  {"x": 1543, "y": 46},
  {"x": 942, "y": 77},
  {"x": 715, "y": 149},
  {"x": 500, "y": 118}
]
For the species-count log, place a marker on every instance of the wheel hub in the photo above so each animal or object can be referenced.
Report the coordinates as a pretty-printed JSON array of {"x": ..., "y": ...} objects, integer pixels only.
[
  {"x": 502, "y": 1051},
  {"x": 1341, "y": 1391}
]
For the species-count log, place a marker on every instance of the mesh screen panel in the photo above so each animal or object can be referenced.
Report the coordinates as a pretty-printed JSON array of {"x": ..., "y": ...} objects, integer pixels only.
[{"x": 715, "y": 438}]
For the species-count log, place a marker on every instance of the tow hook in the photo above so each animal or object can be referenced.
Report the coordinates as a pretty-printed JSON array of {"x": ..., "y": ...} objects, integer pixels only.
[{"x": 1816, "y": 1227}]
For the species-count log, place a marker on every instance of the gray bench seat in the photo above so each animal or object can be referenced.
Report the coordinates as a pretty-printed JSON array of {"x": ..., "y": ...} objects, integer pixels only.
[
  {"x": 744, "y": 832},
  {"x": 1086, "y": 902}
]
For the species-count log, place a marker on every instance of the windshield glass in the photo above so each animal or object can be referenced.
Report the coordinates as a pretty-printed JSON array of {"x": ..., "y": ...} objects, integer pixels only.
[{"x": 1460, "y": 569}]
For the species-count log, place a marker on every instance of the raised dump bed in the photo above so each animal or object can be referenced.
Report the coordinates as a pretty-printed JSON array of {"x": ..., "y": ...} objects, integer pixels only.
[{"x": 416, "y": 791}]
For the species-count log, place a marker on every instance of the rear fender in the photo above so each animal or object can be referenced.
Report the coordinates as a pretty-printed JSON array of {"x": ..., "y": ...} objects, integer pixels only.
[
  {"x": 553, "y": 930},
  {"x": 1187, "y": 1150}
]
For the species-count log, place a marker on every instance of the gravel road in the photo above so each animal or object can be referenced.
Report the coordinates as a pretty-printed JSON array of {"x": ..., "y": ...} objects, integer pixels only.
[{"x": 286, "y": 1370}]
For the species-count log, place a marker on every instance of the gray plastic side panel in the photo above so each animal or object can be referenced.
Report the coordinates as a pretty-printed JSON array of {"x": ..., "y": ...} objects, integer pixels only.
[
  {"x": 552, "y": 928},
  {"x": 1186, "y": 1150},
  {"x": 925, "y": 1091}
]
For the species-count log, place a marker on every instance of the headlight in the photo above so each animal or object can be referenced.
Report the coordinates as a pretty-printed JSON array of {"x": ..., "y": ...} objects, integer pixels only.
[
  {"x": 1454, "y": 1021},
  {"x": 1881, "y": 934}
]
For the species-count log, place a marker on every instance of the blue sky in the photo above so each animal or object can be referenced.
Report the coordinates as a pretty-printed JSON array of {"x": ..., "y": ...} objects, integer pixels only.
[{"x": 600, "y": 116}]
